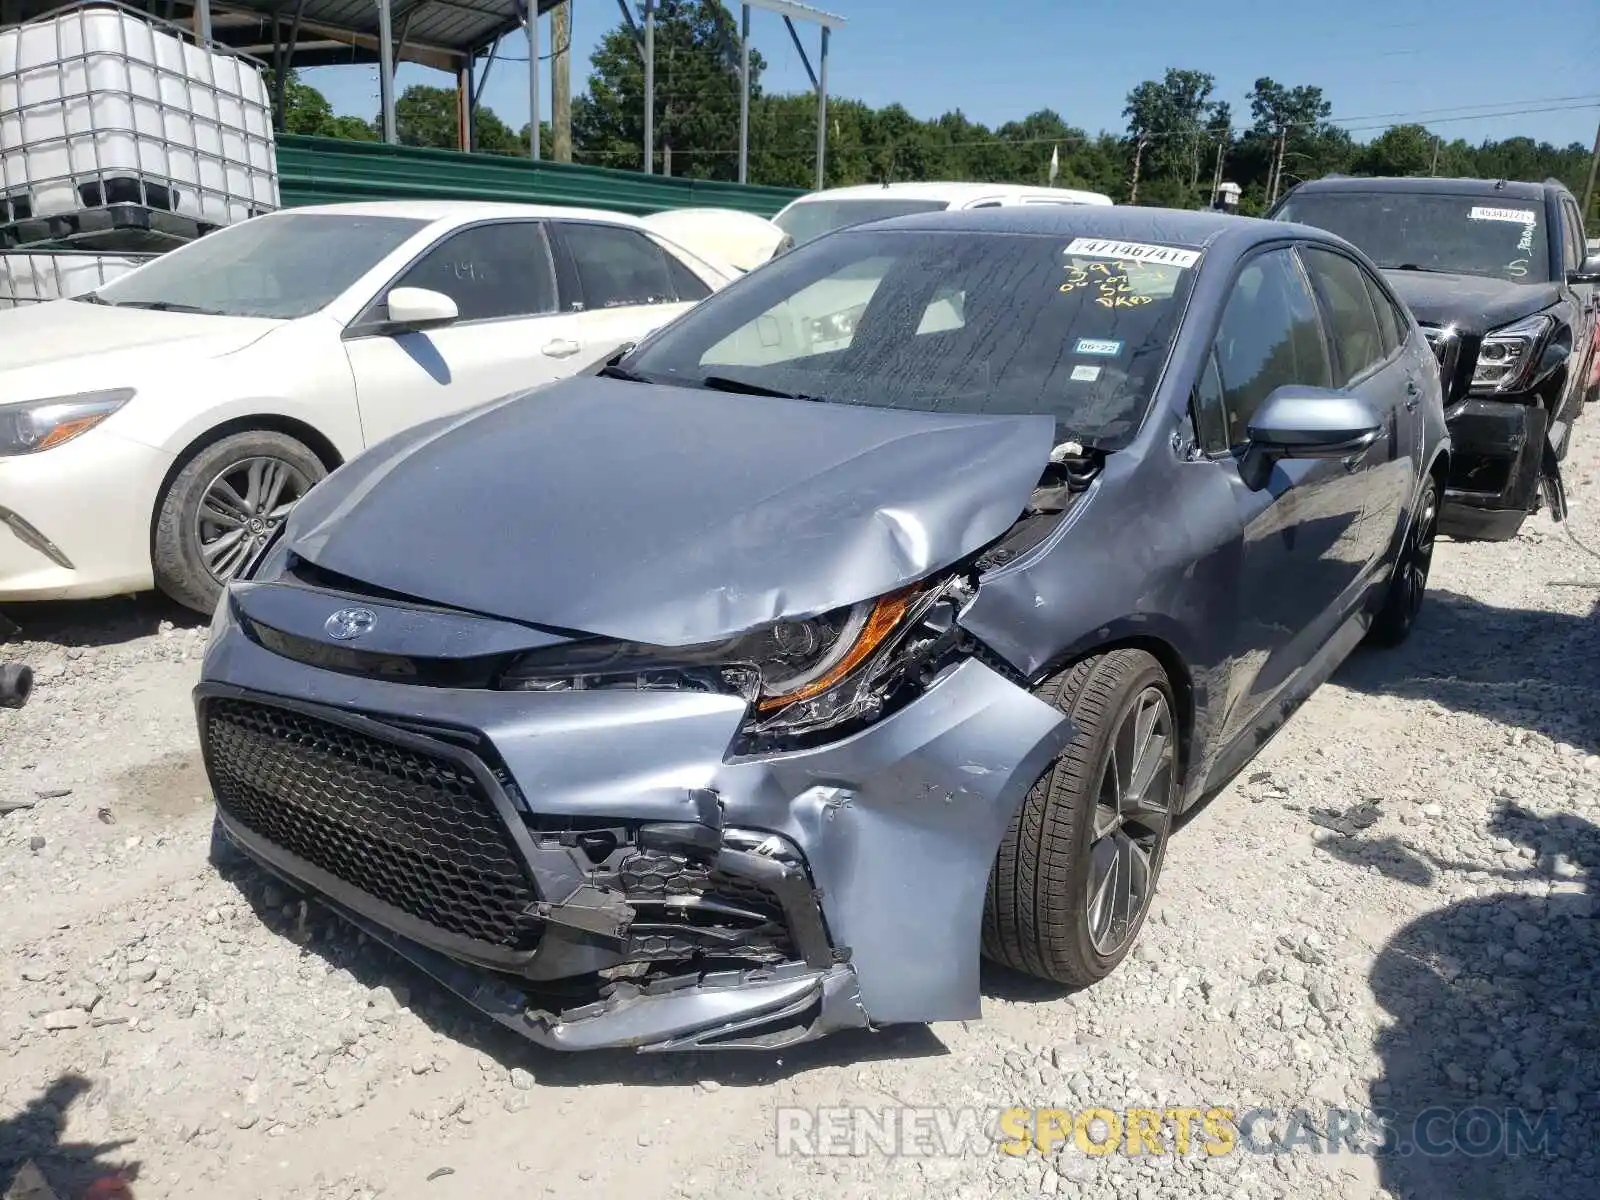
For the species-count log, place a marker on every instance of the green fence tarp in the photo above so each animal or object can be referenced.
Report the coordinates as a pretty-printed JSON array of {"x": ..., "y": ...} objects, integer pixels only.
[{"x": 317, "y": 170}]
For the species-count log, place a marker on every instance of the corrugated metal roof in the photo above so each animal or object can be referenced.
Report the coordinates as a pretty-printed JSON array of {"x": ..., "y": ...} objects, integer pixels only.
[{"x": 437, "y": 33}]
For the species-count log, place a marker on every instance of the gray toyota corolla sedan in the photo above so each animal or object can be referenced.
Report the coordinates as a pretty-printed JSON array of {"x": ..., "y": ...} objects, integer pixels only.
[{"x": 879, "y": 613}]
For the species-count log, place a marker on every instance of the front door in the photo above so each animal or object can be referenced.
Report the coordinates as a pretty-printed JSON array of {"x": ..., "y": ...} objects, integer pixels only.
[
  {"x": 509, "y": 335},
  {"x": 1300, "y": 553},
  {"x": 1368, "y": 362}
]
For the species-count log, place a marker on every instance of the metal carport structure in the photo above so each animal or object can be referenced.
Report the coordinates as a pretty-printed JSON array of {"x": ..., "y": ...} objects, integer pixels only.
[{"x": 447, "y": 35}]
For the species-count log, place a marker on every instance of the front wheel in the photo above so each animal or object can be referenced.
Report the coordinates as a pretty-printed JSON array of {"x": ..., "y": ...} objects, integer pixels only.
[
  {"x": 221, "y": 508},
  {"x": 1408, "y": 586},
  {"x": 1076, "y": 871}
]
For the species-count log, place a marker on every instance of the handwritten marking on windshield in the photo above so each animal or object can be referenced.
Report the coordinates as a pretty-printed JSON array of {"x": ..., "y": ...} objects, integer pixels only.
[{"x": 1517, "y": 269}]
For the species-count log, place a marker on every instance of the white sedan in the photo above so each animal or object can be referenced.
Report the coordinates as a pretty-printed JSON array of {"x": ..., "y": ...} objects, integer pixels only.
[{"x": 155, "y": 431}]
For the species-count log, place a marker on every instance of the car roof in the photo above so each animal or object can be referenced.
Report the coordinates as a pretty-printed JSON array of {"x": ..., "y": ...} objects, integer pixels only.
[
  {"x": 460, "y": 212},
  {"x": 954, "y": 193},
  {"x": 1510, "y": 189},
  {"x": 1172, "y": 226}
]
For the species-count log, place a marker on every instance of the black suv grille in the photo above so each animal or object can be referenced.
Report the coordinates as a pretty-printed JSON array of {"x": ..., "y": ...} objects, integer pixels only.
[{"x": 413, "y": 830}]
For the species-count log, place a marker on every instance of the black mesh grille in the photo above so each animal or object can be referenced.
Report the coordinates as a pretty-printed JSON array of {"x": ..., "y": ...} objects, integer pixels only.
[{"x": 414, "y": 830}]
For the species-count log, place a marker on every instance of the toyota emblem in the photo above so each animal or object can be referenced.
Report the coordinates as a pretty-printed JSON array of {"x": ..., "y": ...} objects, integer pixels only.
[{"x": 350, "y": 623}]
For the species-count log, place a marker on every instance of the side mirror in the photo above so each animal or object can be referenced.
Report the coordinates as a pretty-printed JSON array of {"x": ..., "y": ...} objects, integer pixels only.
[
  {"x": 412, "y": 309},
  {"x": 1307, "y": 422},
  {"x": 1589, "y": 272}
]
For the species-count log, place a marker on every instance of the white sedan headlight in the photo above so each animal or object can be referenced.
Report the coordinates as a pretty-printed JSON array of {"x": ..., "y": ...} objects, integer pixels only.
[{"x": 35, "y": 425}]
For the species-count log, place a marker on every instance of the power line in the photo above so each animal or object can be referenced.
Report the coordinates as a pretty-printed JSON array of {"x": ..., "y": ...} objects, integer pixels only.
[{"x": 1208, "y": 135}]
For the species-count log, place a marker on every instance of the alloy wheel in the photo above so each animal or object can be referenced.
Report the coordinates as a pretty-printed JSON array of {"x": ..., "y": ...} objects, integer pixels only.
[
  {"x": 1419, "y": 557},
  {"x": 240, "y": 509},
  {"x": 1133, "y": 812}
]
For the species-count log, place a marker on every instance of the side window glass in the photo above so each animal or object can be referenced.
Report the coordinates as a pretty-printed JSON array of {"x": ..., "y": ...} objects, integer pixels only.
[
  {"x": 1577, "y": 248},
  {"x": 1393, "y": 327},
  {"x": 1210, "y": 417},
  {"x": 1270, "y": 335},
  {"x": 685, "y": 283},
  {"x": 618, "y": 267},
  {"x": 490, "y": 271},
  {"x": 1352, "y": 322}
]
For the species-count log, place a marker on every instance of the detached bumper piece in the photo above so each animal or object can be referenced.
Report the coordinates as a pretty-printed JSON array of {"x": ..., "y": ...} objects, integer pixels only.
[
  {"x": 653, "y": 936},
  {"x": 1502, "y": 466}
]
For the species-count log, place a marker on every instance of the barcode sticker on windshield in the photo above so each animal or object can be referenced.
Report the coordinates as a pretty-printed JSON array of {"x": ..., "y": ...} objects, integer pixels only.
[
  {"x": 1169, "y": 256},
  {"x": 1517, "y": 216},
  {"x": 1085, "y": 374}
]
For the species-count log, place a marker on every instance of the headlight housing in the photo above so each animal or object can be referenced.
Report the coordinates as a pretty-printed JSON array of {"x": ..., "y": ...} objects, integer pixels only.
[
  {"x": 798, "y": 676},
  {"x": 1508, "y": 355},
  {"x": 33, "y": 426}
]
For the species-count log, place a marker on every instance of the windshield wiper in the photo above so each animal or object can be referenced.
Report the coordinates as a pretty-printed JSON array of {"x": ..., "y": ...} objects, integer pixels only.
[
  {"x": 615, "y": 372},
  {"x": 723, "y": 383},
  {"x": 159, "y": 306},
  {"x": 91, "y": 298},
  {"x": 1417, "y": 267}
]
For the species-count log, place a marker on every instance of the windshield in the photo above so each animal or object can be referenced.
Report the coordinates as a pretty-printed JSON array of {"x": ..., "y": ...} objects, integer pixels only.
[
  {"x": 285, "y": 265},
  {"x": 1076, "y": 328},
  {"x": 812, "y": 218},
  {"x": 1427, "y": 231}
]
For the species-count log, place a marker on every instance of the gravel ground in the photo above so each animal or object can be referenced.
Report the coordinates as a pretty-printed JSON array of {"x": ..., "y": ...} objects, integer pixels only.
[{"x": 1390, "y": 910}]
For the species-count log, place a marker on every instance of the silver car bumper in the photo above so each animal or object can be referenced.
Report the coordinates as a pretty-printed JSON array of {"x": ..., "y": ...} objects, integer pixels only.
[{"x": 877, "y": 847}]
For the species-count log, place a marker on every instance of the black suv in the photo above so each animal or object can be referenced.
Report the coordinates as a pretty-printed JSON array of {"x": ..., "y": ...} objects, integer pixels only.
[{"x": 1501, "y": 280}]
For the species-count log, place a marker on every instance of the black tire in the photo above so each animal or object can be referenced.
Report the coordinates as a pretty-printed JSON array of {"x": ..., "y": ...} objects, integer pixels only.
[
  {"x": 1408, "y": 587},
  {"x": 1037, "y": 916},
  {"x": 176, "y": 552}
]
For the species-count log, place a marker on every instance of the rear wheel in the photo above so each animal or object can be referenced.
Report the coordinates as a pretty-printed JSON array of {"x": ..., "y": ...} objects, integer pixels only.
[
  {"x": 1408, "y": 586},
  {"x": 222, "y": 506},
  {"x": 1076, "y": 871}
]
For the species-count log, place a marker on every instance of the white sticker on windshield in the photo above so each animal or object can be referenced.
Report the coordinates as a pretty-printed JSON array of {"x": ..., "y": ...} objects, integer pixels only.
[
  {"x": 1105, "y": 347},
  {"x": 1085, "y": 374},
  {"x": 1169, "y": 256},
  {"x": 1516, "y": 216}
]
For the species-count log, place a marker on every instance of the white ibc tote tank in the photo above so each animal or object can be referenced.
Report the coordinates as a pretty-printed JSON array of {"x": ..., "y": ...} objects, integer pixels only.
[
  {"x": 34, "y": 276},
  {"x": 100, "y": 104}
]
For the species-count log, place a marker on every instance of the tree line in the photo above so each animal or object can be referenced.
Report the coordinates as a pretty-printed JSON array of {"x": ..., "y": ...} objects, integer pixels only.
[{"x": 1180, "y": 139}]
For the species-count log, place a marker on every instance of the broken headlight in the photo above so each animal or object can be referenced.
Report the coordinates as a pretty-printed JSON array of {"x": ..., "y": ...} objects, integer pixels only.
[{"x": 798, "y": 675}]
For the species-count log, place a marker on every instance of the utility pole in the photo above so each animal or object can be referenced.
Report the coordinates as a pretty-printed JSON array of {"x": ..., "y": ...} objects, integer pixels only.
[
  {"x": 561, "y": 82},
  {"x": 1277, "y": 166},
  {"x": 1138, "y": 157},
  {"x": 649, "y": 87},
  {"x": 1588, "y": 189},
  {"x": 1434, "y": 170},
  {"x": 1216, "y": 175}
]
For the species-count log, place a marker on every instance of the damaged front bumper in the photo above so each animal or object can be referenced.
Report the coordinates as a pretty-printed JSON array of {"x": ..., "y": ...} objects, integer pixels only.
[
  {"x": 1502, "y": 467},
  {"x": 594, "y": 869}
]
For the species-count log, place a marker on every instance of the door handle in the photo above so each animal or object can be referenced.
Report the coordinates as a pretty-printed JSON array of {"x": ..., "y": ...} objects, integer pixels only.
[
  {"x": 559, "y": 348},
  {"x": 1412, "y": 392}
]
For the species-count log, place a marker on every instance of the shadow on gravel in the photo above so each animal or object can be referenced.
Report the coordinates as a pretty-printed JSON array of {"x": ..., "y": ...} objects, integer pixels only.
[
  {"x": 91, "y": 623},
  {"x": 35, "y": 1135},
  {"x": 1493, "y": 1060},
  {"x": 322, "y": 932},
  {"x": 1538, "y": 671}
]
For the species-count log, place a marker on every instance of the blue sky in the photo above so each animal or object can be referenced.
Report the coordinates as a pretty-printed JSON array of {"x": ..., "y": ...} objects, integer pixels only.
[{"x": 1449, "y": 68}]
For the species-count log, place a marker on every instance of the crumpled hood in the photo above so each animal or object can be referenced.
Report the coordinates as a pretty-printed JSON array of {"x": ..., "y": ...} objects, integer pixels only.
[
  {"x": 1474, "y": 304},
  {"x": 668, "y": 515},
  {"x": 70, "y": 334}
]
